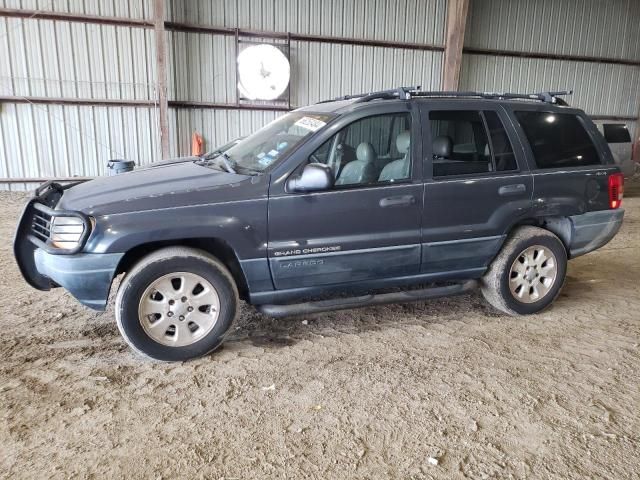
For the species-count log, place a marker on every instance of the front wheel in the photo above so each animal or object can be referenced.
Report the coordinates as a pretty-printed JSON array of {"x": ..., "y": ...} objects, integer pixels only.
[
  {"x": 176, "y": 304},
  {"x": 528, "y": 273}
]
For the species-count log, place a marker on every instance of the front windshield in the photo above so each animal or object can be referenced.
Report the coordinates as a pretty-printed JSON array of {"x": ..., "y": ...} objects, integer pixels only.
[{"x": 273, "y": 141}]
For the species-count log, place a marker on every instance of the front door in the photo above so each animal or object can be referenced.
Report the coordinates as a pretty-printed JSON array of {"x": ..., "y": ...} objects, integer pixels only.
[
  {"x": 365, "y": 228},
  {"x": 477, "y": 185}
]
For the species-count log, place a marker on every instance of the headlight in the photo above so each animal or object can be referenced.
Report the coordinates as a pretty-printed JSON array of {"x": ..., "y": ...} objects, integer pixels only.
[{"x": 66, "y": 232}]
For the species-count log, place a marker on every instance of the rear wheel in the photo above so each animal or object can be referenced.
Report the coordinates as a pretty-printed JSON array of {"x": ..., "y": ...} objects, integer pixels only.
[
  {"x": 176, "y": 304},
  {"x": 528, "y": 273}
]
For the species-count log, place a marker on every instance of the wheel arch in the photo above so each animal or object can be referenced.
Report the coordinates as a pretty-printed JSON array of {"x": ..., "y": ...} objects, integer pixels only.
[
  {"x": 560, "y": 226},
  {"x": 213, "y": 246}
]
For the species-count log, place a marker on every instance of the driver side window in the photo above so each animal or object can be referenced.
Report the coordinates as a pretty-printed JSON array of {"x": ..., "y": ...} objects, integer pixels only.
[{"x": 369, "y": 151}]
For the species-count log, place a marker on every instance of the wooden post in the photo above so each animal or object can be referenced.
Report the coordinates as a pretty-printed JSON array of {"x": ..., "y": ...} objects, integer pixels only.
[
  {"x": 635, "y": 145},
  {"x": 161, "y": 74},
  {"x": 457, "y": 11}
]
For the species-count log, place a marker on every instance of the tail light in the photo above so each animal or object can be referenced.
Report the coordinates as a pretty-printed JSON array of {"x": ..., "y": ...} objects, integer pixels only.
[{"x": 616, "y": 190}]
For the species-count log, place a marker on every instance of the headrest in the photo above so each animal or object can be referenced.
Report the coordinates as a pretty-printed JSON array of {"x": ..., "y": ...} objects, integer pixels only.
[
  {"x": 442, "y": 146},
  {"x": 402, "y": 141},
  {"x": 365, "y": 152}
]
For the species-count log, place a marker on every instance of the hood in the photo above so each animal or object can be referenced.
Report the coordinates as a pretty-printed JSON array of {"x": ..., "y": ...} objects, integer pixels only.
[{"x": 167, "y": 184}]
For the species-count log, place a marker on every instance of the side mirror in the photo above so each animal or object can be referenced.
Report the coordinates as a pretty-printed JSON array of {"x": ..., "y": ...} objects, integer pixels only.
[{"x": 314, "y": 177}]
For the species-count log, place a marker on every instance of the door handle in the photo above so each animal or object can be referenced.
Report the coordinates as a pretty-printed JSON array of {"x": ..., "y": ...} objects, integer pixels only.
[
  {"x": 512, "y": 189},
  {"x": 400, "y": 201}
]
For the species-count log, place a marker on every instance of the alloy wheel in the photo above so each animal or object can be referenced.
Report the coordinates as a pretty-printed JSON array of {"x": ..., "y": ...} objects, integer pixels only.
[
  {"x": 533, "y": 274},
  {"x": 179, "y": 309}
]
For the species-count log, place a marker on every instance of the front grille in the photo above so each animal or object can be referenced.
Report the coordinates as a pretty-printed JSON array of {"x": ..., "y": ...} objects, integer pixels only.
[{"x": 41, "y": 225}]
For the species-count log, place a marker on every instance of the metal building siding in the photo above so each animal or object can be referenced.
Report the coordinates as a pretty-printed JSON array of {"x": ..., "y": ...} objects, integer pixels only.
[
  {"x": 216, "y": 126},
  {"x": 92, "y": 61},
  {"x": 598, "y": 28},
  {"x": 137, "y": 9},
  {"x": 45, "y": 58},
  {"x": 201, "y": 67},
  {"x": 321, "y": 71},
  {"x": 599, "y": 89},
  {"x": 62, "y": 141},
  {"x": 414, "y": 21}
]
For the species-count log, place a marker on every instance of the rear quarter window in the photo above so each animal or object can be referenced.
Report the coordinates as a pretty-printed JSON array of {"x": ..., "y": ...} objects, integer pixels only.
[
  {"x": 558, "y": 140},
  {"x": 616, "y": 133}
]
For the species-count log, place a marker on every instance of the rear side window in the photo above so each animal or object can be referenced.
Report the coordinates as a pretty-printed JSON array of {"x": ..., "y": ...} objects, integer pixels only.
[
  {"x": 558, "y": 140},
  {"x": 616, "y": 133},
  {"x": 460, "y": 143},
  {"x": 469, "y": 142}
]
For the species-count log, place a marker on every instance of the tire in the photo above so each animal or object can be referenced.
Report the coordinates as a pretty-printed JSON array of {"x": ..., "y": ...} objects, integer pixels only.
[
  {"x": 181, "y": 329},
  {"x": 519, "y": 281}
]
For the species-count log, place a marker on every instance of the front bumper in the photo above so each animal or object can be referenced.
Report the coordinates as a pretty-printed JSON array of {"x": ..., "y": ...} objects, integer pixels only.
[
  {"x": 593, "y": 230},
  {"x": 86, "y": 276}
]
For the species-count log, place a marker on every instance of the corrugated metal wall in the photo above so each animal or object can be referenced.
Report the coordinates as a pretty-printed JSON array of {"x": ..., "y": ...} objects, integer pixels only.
[
  {"x": 599, "y": 89},
  {"x": 202, "y": 65},
  {"x": 202, "y": 68},
  {"x": 217, "y": 125},
  {"x": 601, "y": 28},
  {"x": 412, "y": 21},
  {"x": 116, "y": 8},
  {"x": 62, "y": 141},
  {"x": 46, "y": 58},
  {"x": 588, "y": 28},
  {"x": 326, "y": 71}
]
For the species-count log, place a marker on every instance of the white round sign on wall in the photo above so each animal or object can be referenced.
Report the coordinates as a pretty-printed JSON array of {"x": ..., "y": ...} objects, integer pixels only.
[{"x": 263, "y": 72}]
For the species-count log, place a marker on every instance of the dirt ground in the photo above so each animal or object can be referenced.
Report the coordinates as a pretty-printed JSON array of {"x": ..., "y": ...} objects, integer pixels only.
[{"x": 439, "y": 389}]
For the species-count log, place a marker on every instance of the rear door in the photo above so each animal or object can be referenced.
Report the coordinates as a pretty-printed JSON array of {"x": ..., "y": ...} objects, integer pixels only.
[
  {"x": 475, "y": 191},
  {"x": 569, "y": 159},
  {"x": 368, "y": 226}
]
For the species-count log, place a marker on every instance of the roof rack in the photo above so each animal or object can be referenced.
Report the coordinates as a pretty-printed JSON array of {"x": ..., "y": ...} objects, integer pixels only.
[{"x": 405, "y": 93}]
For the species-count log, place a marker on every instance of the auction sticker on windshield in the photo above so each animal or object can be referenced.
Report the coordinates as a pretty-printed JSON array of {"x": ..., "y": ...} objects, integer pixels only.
[{"x": 310, "y": 123}]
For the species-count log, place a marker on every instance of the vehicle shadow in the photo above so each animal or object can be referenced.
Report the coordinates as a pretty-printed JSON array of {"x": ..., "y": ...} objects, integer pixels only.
[
  {"x": 259, "y": 330},
  {"x": 266, "y": 332},
  {"x": 582, "y": 283}
]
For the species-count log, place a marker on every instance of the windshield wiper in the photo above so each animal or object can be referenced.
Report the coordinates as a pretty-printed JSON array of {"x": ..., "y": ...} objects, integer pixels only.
[
  {"x": 227, "y": 162},
  {"x": 221, "y": 161},
  {"x": 248, "y": 170}
]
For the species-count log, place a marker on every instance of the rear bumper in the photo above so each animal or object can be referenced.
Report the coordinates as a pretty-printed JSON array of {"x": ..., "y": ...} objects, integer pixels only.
[{"x": 593, "y": 230}]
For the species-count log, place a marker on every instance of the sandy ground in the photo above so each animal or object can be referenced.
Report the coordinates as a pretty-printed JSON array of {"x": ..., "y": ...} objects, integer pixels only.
[{"x": 444, "y": 389}]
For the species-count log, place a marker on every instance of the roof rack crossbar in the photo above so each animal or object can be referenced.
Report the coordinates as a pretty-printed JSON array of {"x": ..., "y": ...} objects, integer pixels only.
[{"x": 405, "y": 93}]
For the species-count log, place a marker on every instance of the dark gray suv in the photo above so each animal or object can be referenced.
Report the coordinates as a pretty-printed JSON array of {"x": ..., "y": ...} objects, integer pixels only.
[{"x": 434, "y": 192}]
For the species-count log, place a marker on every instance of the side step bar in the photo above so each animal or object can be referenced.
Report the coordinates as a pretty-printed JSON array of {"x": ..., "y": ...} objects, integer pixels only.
[{"x": 367, "y": 300}]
